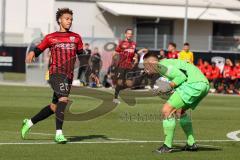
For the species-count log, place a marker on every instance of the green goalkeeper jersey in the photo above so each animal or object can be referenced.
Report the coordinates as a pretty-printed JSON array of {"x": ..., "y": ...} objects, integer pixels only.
[{"x": 179, "y": 71}]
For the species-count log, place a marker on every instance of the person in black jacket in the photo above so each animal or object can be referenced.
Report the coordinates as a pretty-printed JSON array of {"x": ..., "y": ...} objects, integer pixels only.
[
  {"x": 95, "y": 64},
  {"x": 83, "y": 75}
]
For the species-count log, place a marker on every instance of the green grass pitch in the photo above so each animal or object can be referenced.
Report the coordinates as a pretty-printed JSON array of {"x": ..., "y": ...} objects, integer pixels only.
[{"x": 123, "y": 134}]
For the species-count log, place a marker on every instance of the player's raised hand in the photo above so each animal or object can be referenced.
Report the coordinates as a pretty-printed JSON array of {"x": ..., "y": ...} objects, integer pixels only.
[{"x": 30, "y": 57}]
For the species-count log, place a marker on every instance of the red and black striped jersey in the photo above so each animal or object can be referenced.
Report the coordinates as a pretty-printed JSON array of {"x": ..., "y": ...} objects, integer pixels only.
[
  {"x": 63, "y": 47},
  {"x": 126, "y": 50},
  {"x": 173, "y": 55}
]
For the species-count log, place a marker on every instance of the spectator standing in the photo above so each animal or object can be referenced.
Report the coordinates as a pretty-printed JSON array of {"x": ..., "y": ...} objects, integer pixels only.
[
  {"x": 186, "y": 54},
  {"x": 172, "y": 51},
  {"x": 83, "y": 76},
  {"x": 95, "y": 64}
]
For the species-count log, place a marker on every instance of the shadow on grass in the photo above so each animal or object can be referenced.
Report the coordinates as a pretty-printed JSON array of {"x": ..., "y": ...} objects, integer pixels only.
[
  {"x": 201, "y": 148},
  {"x": 88, "y": 137},
  {"x": 74, "y": 138},
  {"x": 178, "y": 149}
]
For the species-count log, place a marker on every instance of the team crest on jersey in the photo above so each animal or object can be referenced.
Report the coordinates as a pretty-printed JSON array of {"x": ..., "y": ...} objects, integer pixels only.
[
  {"x": 72, "y": 38},
  {"x": 54, "y": 40}
]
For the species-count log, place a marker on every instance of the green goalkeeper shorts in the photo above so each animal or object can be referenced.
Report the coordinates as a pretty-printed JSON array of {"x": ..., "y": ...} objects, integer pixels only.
[{"x": 188, "y": 95}]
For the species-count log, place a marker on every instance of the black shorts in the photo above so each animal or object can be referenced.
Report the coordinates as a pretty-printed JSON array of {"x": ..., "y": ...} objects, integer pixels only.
[
  {"x": 127, "y": 74},
  {"x": 95, "y": 70},
  {"x": 61, "y": 86}
]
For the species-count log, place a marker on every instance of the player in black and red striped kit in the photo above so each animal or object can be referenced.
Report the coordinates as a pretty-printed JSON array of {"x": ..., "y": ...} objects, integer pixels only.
[
  {"x": 127, "y": 58},
  {"x": 64, "y": 46}
]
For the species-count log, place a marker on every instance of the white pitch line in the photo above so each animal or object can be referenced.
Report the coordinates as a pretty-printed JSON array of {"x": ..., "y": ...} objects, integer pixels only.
[
  {"x": 231, "y": 135},
  {"x": 218, "y": 140},
  {"x": 119, "y": 139},
  {"x": 48, "y": 134},
  {"x": 108, "y": 142},
  {"x": 115, "y": 141}
]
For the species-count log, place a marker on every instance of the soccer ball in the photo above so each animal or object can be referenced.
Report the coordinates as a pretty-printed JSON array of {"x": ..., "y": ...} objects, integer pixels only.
[
  {"x": 165, "y": 96},
  {"x": 162, "y": 95}
]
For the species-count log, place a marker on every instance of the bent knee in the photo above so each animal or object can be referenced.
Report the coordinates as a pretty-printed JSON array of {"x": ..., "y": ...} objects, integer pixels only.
[
  {"x": 63, "y": 99},
  {"x": 129, "y": 83},
  {"x": 167, "y": 110},
  {"x": 120, "y": 82},
  {"x": 180, "y": 113},
  {"x": 53, "y": 107}
]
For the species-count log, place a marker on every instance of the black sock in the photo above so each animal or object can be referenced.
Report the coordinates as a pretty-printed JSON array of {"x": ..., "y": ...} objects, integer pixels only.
[
  {"x": 118, "y": 89},
  {"x": 60, "y": 114},
  {"x": 43, "y": 114}
]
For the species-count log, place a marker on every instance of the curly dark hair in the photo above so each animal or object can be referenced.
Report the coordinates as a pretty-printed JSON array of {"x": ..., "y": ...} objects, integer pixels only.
[
  {"x": 62, "y": 11},
  {"x": 128, "y": 29},
  {"x": 172, "y": 44}
]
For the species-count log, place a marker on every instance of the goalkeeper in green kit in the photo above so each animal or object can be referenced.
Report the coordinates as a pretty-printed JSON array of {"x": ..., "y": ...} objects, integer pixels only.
[{"x": 190, "y": 87}]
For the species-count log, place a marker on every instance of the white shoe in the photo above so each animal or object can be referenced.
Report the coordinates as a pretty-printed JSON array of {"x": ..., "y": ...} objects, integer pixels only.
[
  {"x": 117, "y": 101},
  {"x": 148, "y": 87}
]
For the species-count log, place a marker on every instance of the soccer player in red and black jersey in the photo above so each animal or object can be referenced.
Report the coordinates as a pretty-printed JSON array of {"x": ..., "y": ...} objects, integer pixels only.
[
  {"x": 172, "y": 51},
  {"x": 127, "y": 60},
  {"x": 64, "y": 46}
]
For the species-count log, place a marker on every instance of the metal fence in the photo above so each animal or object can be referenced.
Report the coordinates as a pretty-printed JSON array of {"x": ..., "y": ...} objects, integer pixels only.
[
  {"x": 197, "y": 42},
  {"x": 35, "y": 72}
]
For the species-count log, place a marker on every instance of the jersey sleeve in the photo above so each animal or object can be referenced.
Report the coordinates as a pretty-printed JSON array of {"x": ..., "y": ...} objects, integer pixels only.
[
  {"x": 118, "y": 48},
  {"x": 42, "y": 46},
  {"x": 173, "y": 74},
  {"x": 135, "y": 50},
  {"x": 80, "y": 46}
]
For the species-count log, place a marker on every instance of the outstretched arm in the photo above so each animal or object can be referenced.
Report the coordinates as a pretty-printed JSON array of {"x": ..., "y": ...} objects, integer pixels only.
[{"x": 37, "y": 51}]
